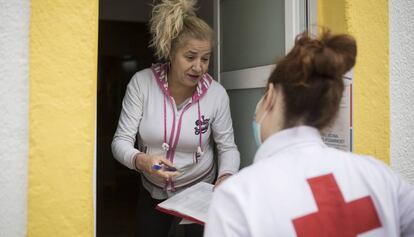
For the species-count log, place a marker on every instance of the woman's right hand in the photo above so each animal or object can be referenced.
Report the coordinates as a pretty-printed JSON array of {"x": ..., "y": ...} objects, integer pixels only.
[{"x": 145, "y": 162}]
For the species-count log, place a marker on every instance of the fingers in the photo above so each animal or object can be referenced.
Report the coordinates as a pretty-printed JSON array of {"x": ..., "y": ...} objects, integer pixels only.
[
  {"x": 218, "y": 182},
  {"x": 167, "y": 174},
  {"x": 166, "y": 168},
  {"x": 166, "y": 162},
  {"x": 221, "y": 179}
]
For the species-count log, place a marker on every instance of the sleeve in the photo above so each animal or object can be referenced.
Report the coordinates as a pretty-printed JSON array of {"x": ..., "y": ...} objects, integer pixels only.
[
  {"x": 406, "y": 207},
  {"x": 226, "y": 216},
  {"x": 222, "y": 128},
  {"x": 128, "y": 124}
]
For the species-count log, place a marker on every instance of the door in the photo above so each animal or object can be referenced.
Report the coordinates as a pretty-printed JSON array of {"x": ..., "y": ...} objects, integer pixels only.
[{"x": 251, "y": 36}]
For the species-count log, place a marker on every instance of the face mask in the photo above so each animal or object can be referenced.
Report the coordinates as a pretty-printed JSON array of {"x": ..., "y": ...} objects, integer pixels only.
[{"x": 257, "y": 125}]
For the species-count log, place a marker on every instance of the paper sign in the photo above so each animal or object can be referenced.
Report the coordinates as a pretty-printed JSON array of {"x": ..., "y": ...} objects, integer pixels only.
[{"x": 340, "y": 134}]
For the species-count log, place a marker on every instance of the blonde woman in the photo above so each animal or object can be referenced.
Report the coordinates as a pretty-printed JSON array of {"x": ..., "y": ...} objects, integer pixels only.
[{"x": 179, "y": 112}]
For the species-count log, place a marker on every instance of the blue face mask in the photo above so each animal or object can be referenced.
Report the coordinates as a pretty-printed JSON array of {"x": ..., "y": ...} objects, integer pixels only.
[
  {"x": 256, "y": 132},
  {"x": 257, "y": 125}
]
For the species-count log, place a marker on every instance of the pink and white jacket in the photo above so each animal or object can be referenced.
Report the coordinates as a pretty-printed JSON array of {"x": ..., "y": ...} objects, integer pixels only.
[{"x": 184, "y": 135}]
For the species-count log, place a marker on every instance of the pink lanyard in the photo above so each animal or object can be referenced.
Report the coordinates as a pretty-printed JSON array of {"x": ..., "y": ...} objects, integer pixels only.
[
  {"x": 166, "y": 146},
  {"x": 199, "y": 150}
]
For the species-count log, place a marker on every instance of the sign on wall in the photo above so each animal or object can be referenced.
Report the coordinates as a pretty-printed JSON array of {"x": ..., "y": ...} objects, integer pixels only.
[{"x": 340, "y": 134}]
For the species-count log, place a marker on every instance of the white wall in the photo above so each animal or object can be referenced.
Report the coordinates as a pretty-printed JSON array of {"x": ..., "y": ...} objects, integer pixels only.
[
  {"x": 14, "y": 30},
  {"x": 402, "y": 86}
]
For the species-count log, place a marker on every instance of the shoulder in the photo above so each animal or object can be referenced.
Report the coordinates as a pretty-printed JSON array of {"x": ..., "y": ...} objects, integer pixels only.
[
  {"x": 363, "y": 162},
  {"x": 143, "y": 76},
  {"x": 277, "y": 169},
  {"x": 141, "y": 80},
  {"x": 364, "y": 169},
  {"x": 217, "y": 86},
  {"x": 217, "y": 96},
  {"x": 369, "y": 163},
  {"x": 249, "y": 181},
  {"x": 217, "y": 90}
]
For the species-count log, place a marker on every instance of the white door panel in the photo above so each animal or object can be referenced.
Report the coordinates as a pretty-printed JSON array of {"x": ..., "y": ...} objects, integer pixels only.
[{"x": 251, "y": 37}]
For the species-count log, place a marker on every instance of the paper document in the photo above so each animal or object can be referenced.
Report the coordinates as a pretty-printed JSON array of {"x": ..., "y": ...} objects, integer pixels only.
[{"x": 191, "y": 204}]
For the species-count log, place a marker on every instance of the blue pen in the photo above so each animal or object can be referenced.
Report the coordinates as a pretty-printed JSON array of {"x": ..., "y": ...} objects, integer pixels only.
[{"x": 164, "y": 167}]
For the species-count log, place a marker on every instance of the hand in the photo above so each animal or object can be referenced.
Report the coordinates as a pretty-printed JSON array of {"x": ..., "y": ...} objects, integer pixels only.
[
  {"x": 145, "y": 162},
  {"x": 221, "y": 179}
]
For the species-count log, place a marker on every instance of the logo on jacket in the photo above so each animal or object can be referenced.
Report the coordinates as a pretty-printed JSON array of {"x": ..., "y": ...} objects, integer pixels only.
[{"x": 203, "y": 124}]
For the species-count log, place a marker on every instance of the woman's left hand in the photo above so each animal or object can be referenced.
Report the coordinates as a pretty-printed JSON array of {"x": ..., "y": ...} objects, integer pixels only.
[{"x": 221, "y": 179}]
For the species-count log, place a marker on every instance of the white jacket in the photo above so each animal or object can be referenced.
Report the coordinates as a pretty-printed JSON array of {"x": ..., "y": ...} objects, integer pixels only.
[
  {"x": 148, "y": 109},
  {"x": 298, "y": 186}
]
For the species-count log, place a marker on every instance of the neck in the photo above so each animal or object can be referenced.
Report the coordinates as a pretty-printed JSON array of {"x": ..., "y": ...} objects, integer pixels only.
[
  {"x": 178, "y": 92},
  {"x": 275, "y": 127}
]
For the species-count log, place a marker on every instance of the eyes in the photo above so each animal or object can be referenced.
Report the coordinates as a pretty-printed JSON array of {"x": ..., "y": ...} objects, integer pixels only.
[{"x": 191, "y": 57}]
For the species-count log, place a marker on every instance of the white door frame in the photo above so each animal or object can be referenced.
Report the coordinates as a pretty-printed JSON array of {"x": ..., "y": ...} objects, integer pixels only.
[{"x": 299, "y": 15}]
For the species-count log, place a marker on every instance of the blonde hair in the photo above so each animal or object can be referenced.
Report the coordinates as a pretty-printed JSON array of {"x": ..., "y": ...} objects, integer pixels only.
[{"x": 172, "y": 23}]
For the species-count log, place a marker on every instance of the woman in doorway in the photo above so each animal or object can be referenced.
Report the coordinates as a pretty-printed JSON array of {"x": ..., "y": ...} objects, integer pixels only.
[
  {"x": 297, "y": 185},
  {"x": 179, "y": 112}
]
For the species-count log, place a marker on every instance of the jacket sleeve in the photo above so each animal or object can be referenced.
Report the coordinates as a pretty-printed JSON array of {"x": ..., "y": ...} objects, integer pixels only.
[
  {"x": 406, "y": 207},
  {"x": 226, "y": 215},
  {"x": 128, "y": 124},
  {"x": 222, "y": 129}
]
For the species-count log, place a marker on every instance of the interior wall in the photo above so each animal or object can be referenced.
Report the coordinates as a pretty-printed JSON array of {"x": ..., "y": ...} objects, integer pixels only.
[{"x": 122, "y": 52}]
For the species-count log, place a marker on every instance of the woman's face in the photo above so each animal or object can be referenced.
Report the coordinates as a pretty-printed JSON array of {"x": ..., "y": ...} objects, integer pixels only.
[{"x": 190, "y": 62}]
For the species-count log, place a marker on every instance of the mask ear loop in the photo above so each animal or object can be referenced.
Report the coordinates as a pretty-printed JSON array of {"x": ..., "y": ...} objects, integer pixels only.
[
  {"x": 257, "y": 108},
  {"x": 263, "y": 116}
]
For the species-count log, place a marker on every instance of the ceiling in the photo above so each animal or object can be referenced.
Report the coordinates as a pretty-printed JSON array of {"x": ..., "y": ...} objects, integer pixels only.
[{"x": 140, "y": 10}]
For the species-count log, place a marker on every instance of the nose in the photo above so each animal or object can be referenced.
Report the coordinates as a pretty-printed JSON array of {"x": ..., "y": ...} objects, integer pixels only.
[{"x": 196, "y": 66}]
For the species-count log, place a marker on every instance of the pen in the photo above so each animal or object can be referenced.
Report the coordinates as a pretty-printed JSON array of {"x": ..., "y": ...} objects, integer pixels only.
[{"x": 164, "y": 167}]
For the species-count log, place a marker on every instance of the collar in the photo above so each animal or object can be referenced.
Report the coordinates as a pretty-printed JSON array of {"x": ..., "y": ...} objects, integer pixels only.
[
  {"x": 160, "y": 71},
  {"x": 287, "y": 138}
]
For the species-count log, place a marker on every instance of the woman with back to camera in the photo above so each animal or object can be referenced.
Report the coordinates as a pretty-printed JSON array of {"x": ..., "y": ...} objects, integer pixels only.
[
  {"x": 297, "y": 185},
  {"x": 178, "y": 110}
]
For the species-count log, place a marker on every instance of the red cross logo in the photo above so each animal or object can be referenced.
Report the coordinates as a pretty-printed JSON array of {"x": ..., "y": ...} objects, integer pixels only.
[{"x": 335, "y": 217}]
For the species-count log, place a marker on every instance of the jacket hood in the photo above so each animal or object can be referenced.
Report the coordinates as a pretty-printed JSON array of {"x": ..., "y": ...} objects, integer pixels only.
[{"x": 160, "y": 71}]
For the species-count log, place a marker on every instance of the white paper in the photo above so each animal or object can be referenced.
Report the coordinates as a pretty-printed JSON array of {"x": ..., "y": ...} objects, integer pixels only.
[
  {"x": 186, "y": 222},
  {"x": 340, "y": 134},
  {"x": 193, "y": 202}
]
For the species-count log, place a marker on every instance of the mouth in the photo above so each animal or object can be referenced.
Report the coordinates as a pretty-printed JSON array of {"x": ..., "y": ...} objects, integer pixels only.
[{"x": 193, "y": 77}]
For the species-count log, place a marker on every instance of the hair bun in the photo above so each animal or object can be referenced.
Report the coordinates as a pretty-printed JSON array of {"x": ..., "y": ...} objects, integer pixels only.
[
  {"x": 166, "y": 23},
  {"x": 336, "y": 56}
]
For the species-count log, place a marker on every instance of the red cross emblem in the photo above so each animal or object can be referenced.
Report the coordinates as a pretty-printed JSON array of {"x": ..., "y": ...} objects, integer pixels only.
[{"x": 335, "y": 217}]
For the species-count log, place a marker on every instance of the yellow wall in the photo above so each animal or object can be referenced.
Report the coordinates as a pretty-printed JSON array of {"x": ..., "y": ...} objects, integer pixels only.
[
  {"x": 63, "y": 75},
  {"x": 367, "y": 21},
  {"x": 331, "y": 14}
]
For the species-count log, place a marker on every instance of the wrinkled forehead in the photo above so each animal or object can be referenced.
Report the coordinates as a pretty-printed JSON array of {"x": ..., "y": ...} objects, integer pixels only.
[{"x": 195, "y": 46}]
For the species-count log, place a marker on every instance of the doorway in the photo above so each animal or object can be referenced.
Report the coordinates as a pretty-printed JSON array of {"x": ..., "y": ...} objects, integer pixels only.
[
  {"x": 122, "y": 50},
  {"x": 247, "y": 45}
]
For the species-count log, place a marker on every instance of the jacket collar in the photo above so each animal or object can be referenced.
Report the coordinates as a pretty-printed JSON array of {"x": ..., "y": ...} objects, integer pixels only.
[
  {"x": 160, "y": 71},
  {"x": 287, "y": 138}
]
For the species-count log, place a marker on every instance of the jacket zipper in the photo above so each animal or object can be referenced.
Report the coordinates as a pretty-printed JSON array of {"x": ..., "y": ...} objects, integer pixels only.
[{"x": 177, "y": 136}]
